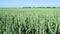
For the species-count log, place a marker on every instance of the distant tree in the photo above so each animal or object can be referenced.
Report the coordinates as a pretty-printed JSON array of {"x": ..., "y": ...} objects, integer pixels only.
[
  {"x": 58, "y": 7},
  {"x": 29, "y": 7},
  {"x": 53, "y": 7},
  {"x": 40, "y": 7},
  {"x": 43, "y": 7},
  {"x": 48, "y": 7}
]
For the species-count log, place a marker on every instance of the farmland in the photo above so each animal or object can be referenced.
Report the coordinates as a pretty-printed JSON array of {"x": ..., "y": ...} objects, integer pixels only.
[{"x": 29, "y": 20}]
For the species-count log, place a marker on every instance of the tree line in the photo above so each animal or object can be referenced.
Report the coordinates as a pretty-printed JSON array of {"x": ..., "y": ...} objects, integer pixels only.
[{"x": 41, "y": 7}]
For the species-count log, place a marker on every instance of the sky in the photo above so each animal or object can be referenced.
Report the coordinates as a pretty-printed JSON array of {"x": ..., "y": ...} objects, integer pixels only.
[{"x": 29, "y": 3}]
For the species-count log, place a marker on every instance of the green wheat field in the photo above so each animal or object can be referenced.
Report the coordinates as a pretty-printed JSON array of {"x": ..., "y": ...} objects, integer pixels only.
[{"x": 29, "y": 20}]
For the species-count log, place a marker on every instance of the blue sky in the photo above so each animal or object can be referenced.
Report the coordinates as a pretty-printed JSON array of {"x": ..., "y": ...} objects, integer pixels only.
[{"x": 29, "y": 3}]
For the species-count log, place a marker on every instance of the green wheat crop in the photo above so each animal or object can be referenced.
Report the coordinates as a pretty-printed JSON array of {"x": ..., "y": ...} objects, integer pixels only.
[{"x": 30, "y": 21}]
